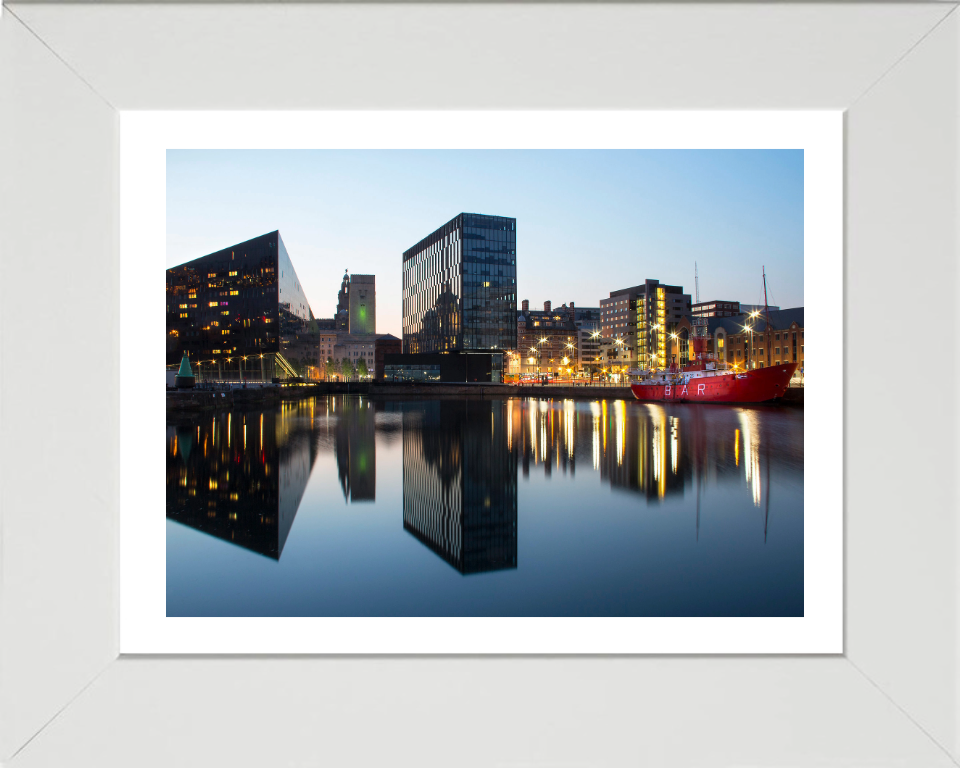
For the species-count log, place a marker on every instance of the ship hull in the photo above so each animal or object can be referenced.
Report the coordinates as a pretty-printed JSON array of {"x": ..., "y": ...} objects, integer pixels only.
[{"x": 756, "y": 386}]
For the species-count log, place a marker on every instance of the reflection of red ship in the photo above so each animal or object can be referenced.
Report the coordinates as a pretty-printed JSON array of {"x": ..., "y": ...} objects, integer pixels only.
[
  {"x": 701, "y": 382},
  {"x": 709, "y": 381}
]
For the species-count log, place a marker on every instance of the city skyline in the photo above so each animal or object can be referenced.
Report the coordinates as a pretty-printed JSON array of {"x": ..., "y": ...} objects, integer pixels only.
[{"x": 588, "y": 221}]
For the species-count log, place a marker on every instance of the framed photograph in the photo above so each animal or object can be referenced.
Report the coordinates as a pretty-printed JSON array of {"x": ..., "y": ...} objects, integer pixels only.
[{"x": 121, "y": 624}]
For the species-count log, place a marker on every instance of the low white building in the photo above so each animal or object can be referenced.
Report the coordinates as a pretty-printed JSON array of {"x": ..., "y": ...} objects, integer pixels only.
[{"x": 354, "y": 347}]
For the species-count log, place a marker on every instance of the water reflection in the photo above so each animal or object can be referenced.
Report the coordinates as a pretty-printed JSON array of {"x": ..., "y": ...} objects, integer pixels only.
[
  {"x": 460, "y": 482},
  {"x": 241, "y": 476},
  {"x": 654, "y": 450}
]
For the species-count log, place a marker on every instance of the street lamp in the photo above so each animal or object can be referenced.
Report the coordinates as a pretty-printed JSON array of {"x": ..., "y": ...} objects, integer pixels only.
[{"x": 750, "y": 329}]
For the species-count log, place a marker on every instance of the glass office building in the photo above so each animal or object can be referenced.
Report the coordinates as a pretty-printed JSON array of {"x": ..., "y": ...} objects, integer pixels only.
[
  {"x": 460, "y": 287},
  {"x": 239, "y": 313}
]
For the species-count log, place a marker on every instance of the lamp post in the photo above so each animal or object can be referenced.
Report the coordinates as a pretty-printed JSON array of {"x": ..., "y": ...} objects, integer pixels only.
[
  {"x": 595, "y": 364},
  {"x": 539, "y": 356}
]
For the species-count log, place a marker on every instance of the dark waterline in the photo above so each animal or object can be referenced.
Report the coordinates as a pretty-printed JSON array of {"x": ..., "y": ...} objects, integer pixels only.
[{"x": 346, "y": 506}]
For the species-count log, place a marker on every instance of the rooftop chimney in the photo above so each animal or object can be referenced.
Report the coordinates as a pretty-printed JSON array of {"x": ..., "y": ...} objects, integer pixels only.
[
  {"x": 546, "y": 306},
  {"x": 525, "y": 305}
]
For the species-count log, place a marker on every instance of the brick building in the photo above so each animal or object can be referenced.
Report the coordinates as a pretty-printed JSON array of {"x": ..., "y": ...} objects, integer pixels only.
[
  {"x": 547, "y": 340},
  {"x": 747, "y": 342}
]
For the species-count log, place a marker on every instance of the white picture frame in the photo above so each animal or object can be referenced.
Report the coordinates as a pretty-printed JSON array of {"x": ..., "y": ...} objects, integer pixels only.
[{"x": 65, "y": 696}]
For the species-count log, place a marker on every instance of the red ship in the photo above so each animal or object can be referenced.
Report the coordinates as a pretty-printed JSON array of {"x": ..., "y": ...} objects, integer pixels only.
[
  {"x": 704, "y": 381},
  {"x": 701, "y": 382}
]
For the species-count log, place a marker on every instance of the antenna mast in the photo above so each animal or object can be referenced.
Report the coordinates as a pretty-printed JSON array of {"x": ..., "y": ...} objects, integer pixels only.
[{"x": 696, "y": 280}]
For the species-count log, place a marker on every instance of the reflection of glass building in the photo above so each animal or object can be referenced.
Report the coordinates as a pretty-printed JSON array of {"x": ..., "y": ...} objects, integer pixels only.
[
  {"x": 239, "y": 312},
  {"x": 241, "y": 476},
  {"x": 460, "y": 483},
  {"x": 459, "y": 287}
]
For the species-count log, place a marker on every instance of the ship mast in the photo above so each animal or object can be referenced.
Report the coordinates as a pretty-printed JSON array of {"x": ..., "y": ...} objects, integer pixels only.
[
  {"x": 698, "y": 322},
  {"x": 766, "y": 307},
  {"x": 766, "y": 315}
]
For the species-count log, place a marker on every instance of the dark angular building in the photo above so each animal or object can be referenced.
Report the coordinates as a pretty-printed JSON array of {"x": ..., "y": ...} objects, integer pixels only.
[
  {"x": 460, "y": 287},
  {"x": 238, "y": 312}
]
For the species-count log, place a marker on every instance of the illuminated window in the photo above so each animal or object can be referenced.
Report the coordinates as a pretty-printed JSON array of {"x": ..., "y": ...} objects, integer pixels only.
[
  {"x": 224, "y": 303},
  {"x": 234, "y": 293},
  {"x": 233, "y": 274},
  {"x": 183, "y": 306},
  {"x": 225, "y": 332},
  {"x": 213, "y": 304},
  {"x": 216, "y": 351},
  {"x": 225, "y": 312},
  {"x": 212, "y": 274},
  {"x": 183, "y": 314}
]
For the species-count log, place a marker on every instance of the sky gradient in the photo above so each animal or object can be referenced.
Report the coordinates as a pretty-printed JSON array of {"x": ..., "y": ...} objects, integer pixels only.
[{"x": 588, "y": 221}]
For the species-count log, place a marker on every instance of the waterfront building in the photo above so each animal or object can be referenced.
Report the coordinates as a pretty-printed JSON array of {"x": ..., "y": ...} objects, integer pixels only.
[
  {"x": 341, "y": 318},
  {"x": 385, "y": 344},
  {"x": 326, "y": 341},
  {"x": 746, "y": 309},
  {"x": 238, "y": 312},
  {"x": 478, "y": 367},
  {"x": 459, "y": 287},
  {"x": 355, "y": 349},
  {"x": 642, "y": 318},
  {"x": 716, "y": 308},
  {"x": 589, "y": 330},
  {"x": 616, "y": 359},
  {"x": 748, "y": 342},
  {"x": 548, "y": 341},
  {"x": 362, "y": 313}
]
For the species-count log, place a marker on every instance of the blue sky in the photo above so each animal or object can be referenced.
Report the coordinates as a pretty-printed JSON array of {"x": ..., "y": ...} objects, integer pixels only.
[{"x": 588, "y": 221}]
